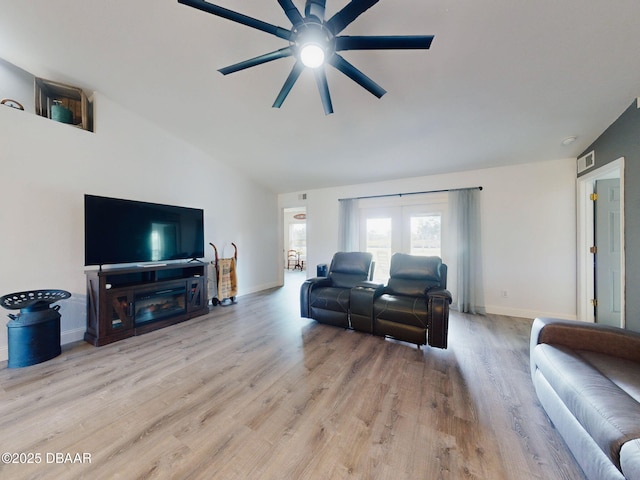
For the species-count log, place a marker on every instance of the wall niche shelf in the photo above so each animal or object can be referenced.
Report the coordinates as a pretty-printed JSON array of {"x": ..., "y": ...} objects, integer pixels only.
[{"x": 53, "y": 98}]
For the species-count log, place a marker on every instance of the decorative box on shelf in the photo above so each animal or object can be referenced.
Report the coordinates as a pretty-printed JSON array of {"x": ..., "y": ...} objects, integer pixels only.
[{"x": 63, "y": 103}]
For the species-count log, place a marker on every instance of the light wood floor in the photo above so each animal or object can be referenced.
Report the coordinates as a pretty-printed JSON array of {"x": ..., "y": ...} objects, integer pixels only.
[{"x": 252, "y": 391}]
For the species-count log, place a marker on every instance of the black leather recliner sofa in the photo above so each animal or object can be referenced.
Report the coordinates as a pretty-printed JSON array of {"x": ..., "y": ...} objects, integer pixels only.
[
  {"x": 412, "y": 307},
  {"x": 327, "y": 299}
]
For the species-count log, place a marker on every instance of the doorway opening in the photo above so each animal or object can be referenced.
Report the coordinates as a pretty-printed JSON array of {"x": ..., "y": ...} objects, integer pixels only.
[
  {"x": 295, "y": 244},
  {"x": 601, "y": 276}
]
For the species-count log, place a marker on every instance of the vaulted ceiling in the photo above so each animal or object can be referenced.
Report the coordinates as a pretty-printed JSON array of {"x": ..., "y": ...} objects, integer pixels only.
[{"x": 505, "y": 81}]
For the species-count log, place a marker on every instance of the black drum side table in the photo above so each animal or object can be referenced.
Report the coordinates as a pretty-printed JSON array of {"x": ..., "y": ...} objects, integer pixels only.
[{"x": 34, "y": 333}]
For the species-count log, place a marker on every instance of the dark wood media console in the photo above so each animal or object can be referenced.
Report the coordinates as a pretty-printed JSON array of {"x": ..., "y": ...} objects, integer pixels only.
[{"x": 123, "y": 302}]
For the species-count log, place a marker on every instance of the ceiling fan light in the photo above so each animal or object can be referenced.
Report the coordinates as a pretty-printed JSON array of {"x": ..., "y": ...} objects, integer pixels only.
[{"x": 312, "y": 55}]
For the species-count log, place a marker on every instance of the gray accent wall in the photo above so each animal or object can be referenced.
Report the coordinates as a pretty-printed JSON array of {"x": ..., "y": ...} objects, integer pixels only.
[{"x": 622, "y": 139}]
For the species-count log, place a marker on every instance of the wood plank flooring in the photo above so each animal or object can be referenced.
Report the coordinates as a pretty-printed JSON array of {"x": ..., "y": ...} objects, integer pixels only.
[{"x": 252, "y": 391}]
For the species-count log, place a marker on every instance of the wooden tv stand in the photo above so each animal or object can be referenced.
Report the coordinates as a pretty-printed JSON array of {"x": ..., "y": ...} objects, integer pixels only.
[{"x": 123, "y": 302}]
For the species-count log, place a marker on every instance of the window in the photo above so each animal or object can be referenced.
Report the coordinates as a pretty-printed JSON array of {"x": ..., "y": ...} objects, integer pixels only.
[
  {"x": 414, "y": 226},
  {"x": 298, "y": 238},
  {"x": 378, "y": 243},
  {"x": 425, "y": 234}
]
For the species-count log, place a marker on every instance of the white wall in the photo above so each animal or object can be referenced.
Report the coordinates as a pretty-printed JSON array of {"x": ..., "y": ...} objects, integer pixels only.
[
  {"x": 47, "y": 167},
  {"x": 17, "y": 85},
  {"x": 528, "y": 231}
]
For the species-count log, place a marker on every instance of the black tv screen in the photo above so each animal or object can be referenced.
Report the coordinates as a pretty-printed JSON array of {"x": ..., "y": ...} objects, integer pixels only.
[{"x": 127, "y": 231}]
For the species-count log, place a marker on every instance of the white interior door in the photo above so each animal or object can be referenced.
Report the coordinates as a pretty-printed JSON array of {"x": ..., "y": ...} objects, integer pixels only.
[
  {"x": 608, "y": 252},
  {"x": 586, "y": 185}
]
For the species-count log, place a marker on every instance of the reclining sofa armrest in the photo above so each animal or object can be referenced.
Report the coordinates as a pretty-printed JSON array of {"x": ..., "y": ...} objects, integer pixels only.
[
  {"x": 305, "y": 293},
  {"x": 375, "y": 288},
  {"x": 440, "y": 292},
  {"x": 361, "y": 301},
  {"x": 630, "y": 459},
  {"x": 593, "y": 337},
  {"x": 438, "y": 301}
]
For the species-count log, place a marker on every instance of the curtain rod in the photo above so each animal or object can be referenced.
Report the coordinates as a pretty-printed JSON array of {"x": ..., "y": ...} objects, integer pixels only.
[{"x": 410, "y": 193}]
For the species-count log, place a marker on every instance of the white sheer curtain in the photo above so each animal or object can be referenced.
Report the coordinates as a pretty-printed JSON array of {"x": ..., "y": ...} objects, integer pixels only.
[
  {"x": 464, "y": 208},
  {"x": 349, "y": 226}
]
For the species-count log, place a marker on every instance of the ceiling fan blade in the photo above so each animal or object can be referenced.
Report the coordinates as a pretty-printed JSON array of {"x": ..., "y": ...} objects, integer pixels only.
[
  {"x": 291, "y": 11},
  {"x": 288, "y": 84},
  {"x": 323, "y": 88},
  {"x": 356, "y": 75},
  {"x": 252, "y": 62},
  {"x": 315, "y": 8},
  {"x": 238, "y": 18},
  {"x": 382, "y": 42},
  {"x": 348, "y": 14}
]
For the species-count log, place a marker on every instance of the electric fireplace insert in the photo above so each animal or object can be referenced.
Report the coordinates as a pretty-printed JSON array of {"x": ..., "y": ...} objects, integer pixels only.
[{"x": 156, "y": 305}]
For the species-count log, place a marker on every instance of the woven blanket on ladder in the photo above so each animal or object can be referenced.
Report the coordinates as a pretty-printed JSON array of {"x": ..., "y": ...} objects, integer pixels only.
[{"x": 227, "y": 281}]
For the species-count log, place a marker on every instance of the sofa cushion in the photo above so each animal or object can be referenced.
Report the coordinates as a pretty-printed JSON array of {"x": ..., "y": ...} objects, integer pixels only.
[
  {"x": 349, "y": 268},
  {"x": 330, "y": 298},
  {"x": 624, "y": 373},
  {"x": 402, "y": 309},
  {"x": 606, "y": 412},
  {"x": 413, "y": 275}
]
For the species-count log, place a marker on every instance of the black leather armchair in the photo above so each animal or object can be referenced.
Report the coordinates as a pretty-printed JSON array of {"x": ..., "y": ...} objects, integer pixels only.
[
  {"x": 327, "y": 299},
  {"x": 413, "y": 305}
]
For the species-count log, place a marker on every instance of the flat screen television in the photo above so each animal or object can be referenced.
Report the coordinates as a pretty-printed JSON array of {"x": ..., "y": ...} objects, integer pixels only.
[{"x": 128, "y": 231}]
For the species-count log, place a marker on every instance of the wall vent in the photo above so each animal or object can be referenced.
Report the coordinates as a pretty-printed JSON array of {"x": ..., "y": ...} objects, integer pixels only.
[
  {"x": 586, "y": 162},
  {"x": 302, "y": 196}
]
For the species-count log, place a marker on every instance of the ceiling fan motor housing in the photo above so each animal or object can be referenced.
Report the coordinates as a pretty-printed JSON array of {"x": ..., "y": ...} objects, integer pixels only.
[
  {"x": 312, "y": 33},
  {"x": 315, "y": 8}
]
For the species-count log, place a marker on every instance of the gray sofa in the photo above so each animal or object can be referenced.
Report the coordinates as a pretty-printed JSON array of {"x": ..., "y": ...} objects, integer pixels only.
[{"x": 587, "y": 378}]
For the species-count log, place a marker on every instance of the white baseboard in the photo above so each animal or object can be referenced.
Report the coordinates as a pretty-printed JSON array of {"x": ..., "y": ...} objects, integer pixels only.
[
  {"x": 249, "y": 291},
  {"x": 71, "y": 336},
  {"x": 521, "y": 313},
  {"x": 259, "y": 288}
]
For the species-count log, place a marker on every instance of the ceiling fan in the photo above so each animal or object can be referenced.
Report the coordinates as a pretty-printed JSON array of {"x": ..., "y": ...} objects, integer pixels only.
[{"x": 314, "y": 42}]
